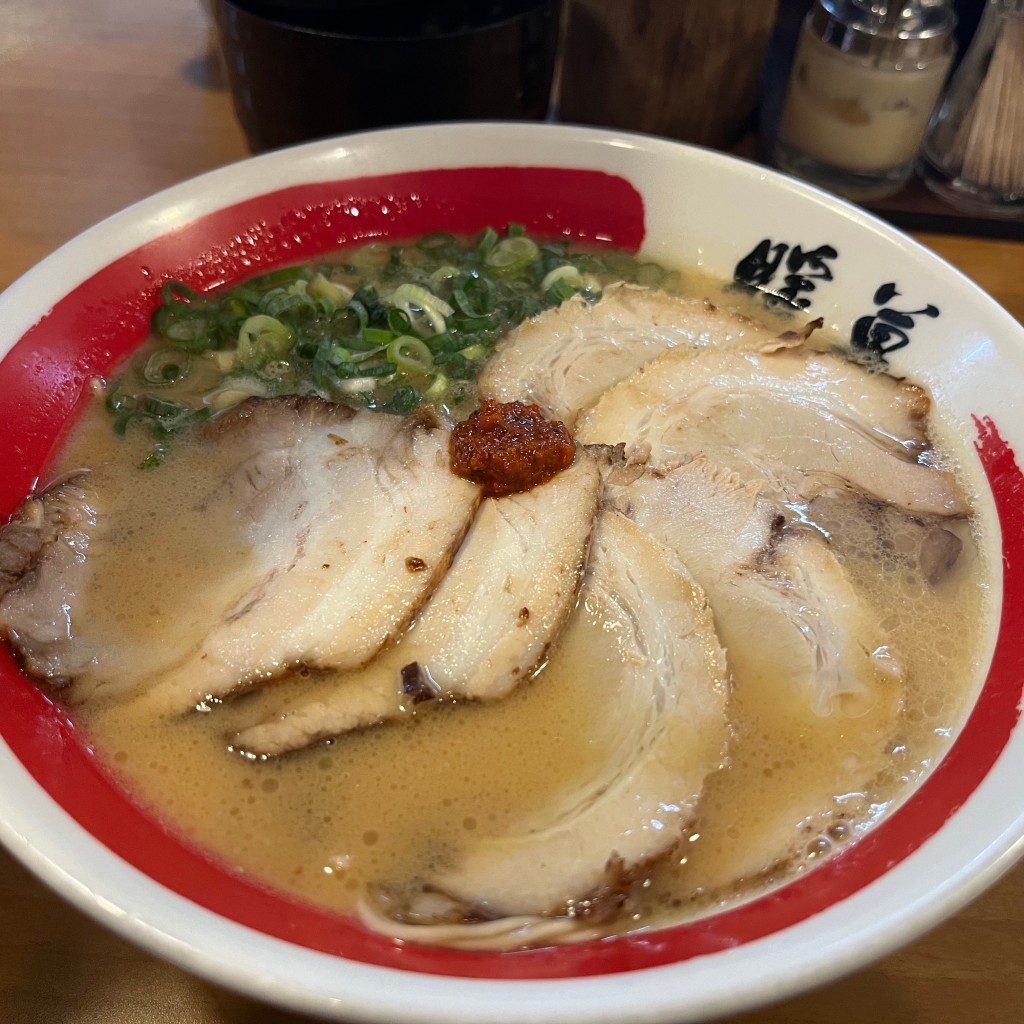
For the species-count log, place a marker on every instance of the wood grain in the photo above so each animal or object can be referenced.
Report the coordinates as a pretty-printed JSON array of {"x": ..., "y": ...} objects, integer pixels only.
[
  {"x": 103, "y": 102},
  {"x": 640, "y": 65}
]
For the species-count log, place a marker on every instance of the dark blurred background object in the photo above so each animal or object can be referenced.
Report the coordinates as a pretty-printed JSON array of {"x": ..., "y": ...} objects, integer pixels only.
[
  {"x": 684, "y": 70},
  {"x": 306, "y": 69}
]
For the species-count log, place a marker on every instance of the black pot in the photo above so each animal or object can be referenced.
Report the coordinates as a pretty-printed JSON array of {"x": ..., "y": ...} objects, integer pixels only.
[{"x": 306, "y": 69}]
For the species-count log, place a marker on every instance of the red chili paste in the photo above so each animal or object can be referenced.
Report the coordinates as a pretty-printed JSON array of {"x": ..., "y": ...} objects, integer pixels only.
[{"x": 509, "y": 447}]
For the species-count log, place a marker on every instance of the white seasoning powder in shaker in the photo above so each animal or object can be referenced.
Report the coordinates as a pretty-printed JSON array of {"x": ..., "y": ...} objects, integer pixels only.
[{"x": 864, "y": 82}]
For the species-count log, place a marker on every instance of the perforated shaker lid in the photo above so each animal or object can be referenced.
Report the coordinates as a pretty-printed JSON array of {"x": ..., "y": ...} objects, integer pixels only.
[{"x": 915, "y": 30}]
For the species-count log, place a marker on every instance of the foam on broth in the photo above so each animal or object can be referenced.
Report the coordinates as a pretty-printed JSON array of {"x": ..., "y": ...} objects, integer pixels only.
[{"x": 377, "y": 805}]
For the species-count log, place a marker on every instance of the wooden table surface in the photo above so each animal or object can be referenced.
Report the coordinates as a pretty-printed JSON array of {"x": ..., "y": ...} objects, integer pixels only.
[{"x": 103, "y": 102}]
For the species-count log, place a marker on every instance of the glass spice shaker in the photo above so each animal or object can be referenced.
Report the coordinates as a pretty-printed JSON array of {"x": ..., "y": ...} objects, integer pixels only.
[
  {"x": 864, "y": 82},
  {"x": 973, "y": 155}
]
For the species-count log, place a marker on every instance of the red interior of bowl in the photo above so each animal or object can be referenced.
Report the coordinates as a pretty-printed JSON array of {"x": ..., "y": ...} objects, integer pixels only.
[{"x": 96, "y": 325}]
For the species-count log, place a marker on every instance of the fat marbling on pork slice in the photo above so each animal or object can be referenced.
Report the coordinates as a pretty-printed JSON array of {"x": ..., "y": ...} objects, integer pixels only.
[
  {"x": 802, "y": 419},
  {"x": 485, "y": 629},
  {"x": 570, "y": 862},
  {"x": 565, "y": 358}
]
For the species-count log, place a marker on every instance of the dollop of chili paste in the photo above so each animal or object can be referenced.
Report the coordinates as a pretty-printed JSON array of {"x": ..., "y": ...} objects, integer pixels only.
[{"x": 509, "y": 447}]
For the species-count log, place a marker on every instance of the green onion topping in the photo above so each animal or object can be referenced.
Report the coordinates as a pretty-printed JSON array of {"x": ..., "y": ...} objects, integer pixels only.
[{"x": 385, "y": 327}]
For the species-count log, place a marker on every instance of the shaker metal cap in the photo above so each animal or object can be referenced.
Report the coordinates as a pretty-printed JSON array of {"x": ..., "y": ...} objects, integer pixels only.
[{"x": 897, "y": 30}]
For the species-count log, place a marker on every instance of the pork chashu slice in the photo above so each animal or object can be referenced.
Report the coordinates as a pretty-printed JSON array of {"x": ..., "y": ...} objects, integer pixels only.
[
  {"x": 484, "y": 630},
  {"x": 351, "y": 519},
  {"x": 566, "y": 357},
  {"x": 802, "y": 419},
  {"x": 809, "y": 659},
  {"x": 43, "y": 552},
  {"x": 664, "y": 707},
  {"x": 782, "y": 602}
]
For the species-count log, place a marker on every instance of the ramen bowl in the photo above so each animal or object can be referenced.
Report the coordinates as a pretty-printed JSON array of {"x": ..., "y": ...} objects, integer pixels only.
[{"x": 76, "y": 315}]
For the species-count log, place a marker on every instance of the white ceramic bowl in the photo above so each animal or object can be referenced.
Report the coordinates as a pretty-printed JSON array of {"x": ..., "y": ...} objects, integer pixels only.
[{"x": 85, "y": 306}]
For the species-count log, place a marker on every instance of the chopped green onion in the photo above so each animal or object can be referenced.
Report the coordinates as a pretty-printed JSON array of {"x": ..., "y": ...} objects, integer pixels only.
[
  {"x": 345, "y": 369},
  {"x": 361, "y": 312},
  {"x": 263, "y": 337},
  {"x": 442, "y": 274},
  {"x": 162, "y": 409},
  {"x": 402, "y": 401},
  {"x": 437, "y": 389},
  {"x": 321, "y": 363},
  {"x": 392, "y": 326},
  {"x": 357, "y": 385},
  {"x": 621, "y": 264},
  {"x": 187, "y": 326},
  {"x": 560, "y": 291},
  {"x": 166, "y": 366},
  {"x": 476, "y": 298},
  {"x": 477, "y": 351},
  {"x": 283, "y": 275},
  {"x": 154, "y": 458},
  {"x": 320, "y": 287},
  {"x": 377, "y": 336},
  {"x": 234, "y": 391},
  {"x": 375, "y": 254},
  {"x": 281, "y": 301},
  {"x": 378, "y": 370},
  {"x": 411, "y": 297},
  {"x": 567, "y": 273},
  {"x": 559, "y": 248},
  {"x": 399, "y": 321},
  {"x": 369, "y": 353},
  {"x": 512, "y": 254},
  {"x": 224, "y": 360},
  {"x": 409, "y": 353},
  {"x": 488, "y": 239}
]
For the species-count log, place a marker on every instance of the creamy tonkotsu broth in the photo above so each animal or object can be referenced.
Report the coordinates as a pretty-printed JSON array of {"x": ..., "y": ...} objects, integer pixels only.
[{"x": 379, "y": 806}]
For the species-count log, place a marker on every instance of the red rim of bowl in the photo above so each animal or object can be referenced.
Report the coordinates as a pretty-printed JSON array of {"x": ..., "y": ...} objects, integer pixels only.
[{"x": 92, "y": 328}]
